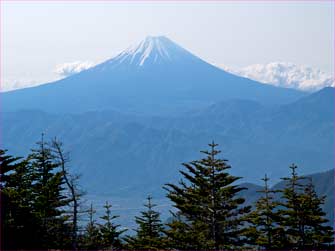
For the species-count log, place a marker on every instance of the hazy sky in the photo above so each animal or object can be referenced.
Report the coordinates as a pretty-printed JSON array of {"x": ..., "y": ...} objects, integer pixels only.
[{"x": 37, "y": 36}]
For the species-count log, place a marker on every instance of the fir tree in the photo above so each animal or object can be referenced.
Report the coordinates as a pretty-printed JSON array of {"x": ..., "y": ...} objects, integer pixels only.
[
  {"x": 110, "y": 233},
  {"x": 33, "y": 200},
  {"x": 91, "y": 239},
  {"x": 49, "y": 198},
  {"x": 318, "y": 235},
  {"x": 303, "y": 217},
  {"x": 17, "y": 222},
  {"x": 292, "y": 213},
  {"x": 149, "y": 232},
  {"x": 209, "y": 203},
  {"x": 266, "y": 219}
]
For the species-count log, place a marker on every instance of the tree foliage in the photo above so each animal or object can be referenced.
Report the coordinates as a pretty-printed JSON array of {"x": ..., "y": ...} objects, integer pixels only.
[
  {"x": 303, "y": 218},
  {"x": 109, "y": 231},
  {"x": 17, "y": 220},
  {"x": 209, "y": 203},
  {"x": 149, "y": 234},
  {"x": 266, "y": 230}
]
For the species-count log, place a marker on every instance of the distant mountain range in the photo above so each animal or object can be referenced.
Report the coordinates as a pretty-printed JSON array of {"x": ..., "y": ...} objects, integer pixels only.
[
  {"x": 111, "y": 149},
  {"x": 131, "y": 121}
]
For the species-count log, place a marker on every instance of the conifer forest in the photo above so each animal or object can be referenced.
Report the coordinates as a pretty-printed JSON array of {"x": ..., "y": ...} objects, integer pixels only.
[{"x": 43, "y": 209}]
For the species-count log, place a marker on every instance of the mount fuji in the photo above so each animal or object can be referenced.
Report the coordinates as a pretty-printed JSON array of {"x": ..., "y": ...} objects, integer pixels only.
[{"x": 156, "y": 76}]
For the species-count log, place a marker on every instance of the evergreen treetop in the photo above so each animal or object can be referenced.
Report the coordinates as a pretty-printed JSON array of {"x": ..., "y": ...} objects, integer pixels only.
[{"x": 109, "y": 231}]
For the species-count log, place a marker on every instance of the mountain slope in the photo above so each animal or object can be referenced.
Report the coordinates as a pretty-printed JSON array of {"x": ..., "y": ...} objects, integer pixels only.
[{"x": 155, "y": 77}]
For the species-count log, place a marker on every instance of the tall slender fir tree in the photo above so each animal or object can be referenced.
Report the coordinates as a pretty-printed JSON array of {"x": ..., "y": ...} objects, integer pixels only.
[
  {"x": 49, "y": 198},
  {"x": 209, "y": 204},
  {"x": 91, "y": 239},
  {"x": 266, "y": 231},
  {"x": 109, "y": 231}
]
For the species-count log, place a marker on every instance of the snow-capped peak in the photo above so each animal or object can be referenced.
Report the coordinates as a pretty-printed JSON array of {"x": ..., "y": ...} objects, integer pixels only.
[
  {"x": 153, "y": 49},
  {"x": 149, "y": 46}
]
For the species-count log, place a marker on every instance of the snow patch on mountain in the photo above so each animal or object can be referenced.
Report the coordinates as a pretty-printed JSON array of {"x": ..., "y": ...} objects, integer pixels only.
[
  {"x": 70, "y": 68},
  {"x": 286, "y": 75}
]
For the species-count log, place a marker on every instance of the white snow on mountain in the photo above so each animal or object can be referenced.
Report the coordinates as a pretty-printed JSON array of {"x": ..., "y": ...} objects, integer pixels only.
[
  {"x": 151, "y": 50},
  {"x": 286, "y": 75},
  {"x": 68, "y": 69},
  {"x": 147, "y": 47}
]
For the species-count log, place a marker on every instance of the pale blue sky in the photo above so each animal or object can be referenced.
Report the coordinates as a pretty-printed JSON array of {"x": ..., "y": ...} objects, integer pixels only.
[{"x": 37, "y": 36}]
